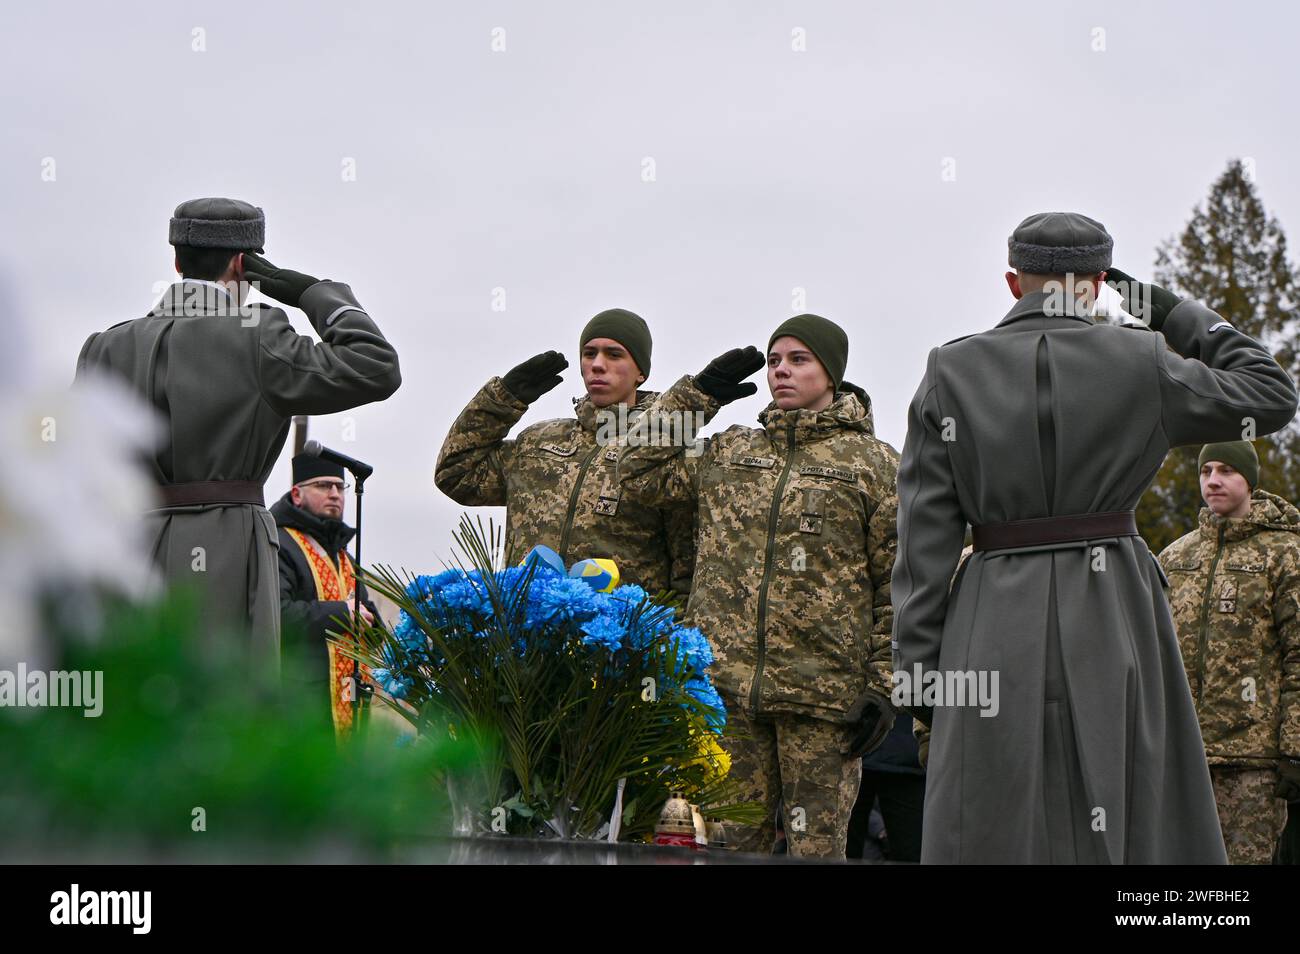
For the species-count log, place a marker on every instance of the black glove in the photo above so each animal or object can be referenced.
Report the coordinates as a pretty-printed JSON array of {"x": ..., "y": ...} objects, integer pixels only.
[
  {"x": 281, "y": 284},
  {"x": 536, "y": 376},
  {"x": 1288, "y": 779},
  {"x": 722, "y": 379},
  {"x": 1141, "y": 300},
  {"x": 870, "y": 718}
]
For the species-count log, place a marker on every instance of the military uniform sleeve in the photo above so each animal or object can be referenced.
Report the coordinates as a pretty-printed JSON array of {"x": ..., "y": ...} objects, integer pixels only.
[
  {"x": 1286, "y": 620},
  {"x": 475, "y": 456},
  {"x": 662, "y": 473},
  {"x": 931, "y": 530},
  {"x": 882, "y": 546},
  {"x": 352, "y": 364},
  {"x": 1164, "y": 556},
  {"x": 1219, "y": 382}
]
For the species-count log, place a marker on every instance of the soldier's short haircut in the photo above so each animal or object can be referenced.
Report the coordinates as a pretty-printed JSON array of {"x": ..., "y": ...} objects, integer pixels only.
[{"x": 208, "y": 264}]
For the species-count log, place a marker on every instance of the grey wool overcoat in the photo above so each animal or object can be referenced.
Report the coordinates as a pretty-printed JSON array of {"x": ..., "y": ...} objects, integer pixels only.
[
  {"x": 226, "y": 385},
  {"x": 1094, "y": 754}
]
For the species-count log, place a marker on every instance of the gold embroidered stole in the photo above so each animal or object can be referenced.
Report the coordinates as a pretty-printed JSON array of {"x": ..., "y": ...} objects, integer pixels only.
[{"x": 333, "y": 583}]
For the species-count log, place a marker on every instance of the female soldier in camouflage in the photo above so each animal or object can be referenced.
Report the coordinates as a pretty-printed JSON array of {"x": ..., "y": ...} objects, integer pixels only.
[
  {"x": 796, "y": 547},
  {"x": 557, "y": 478}
]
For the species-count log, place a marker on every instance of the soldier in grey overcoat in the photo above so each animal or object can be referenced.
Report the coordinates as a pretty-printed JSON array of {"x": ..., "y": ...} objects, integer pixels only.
[
  {"x": 1041, "y": 434},
  {"x": 226, "y": 376}
]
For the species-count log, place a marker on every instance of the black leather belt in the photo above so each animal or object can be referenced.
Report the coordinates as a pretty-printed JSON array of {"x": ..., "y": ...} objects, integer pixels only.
[
  {"x": 197, "y": 493},
  {"x": 1043, "y": 531}
]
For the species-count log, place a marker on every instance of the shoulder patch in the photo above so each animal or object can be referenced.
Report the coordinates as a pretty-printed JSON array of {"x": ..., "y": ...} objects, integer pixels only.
[
  {"x": 836, "y": 473},
  {"x": 558, "y": 449}
]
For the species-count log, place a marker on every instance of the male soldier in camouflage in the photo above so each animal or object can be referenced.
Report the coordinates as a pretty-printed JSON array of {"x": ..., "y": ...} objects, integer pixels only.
[
  {"x": 1234, "y": 587},
  {"x": 796, "y": 546},
  {"x": 557, "y": 479}
]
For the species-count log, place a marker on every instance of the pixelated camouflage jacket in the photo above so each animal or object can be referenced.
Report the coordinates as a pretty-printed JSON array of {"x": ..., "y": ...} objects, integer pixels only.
[
  {"x": 795, "y": 546},
  {"x": 1234, "y": 589},
  {"x": 557, "y": 481}
]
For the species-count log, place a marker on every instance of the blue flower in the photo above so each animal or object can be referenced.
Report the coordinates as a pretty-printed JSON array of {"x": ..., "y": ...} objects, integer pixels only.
[
  {"x": 554, "y": 600},
  {"x": 397, "y": 686},
  {"x": 603, "y": 631},
  {"x": 409, "y": 635},
  {"x": 703, "y": 690},
  {"x": 699, "y": 654},
  {"x": 465, "y": 595},
  {"x": 631, "y": 594}
]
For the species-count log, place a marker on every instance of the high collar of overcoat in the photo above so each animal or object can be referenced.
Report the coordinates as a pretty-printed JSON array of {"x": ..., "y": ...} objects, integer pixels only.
[
  {"x": 1267, "y": 512},
  {"x": 188, "y": 298},
  {"x": 850, "y": 411},
  {"x": 1041, "y": 304},
  {"x": 589, "y": 416}
]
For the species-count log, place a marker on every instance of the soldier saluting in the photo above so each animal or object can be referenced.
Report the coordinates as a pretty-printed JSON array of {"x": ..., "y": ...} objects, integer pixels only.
[
  {"x": 557, "y": 479},
  {"x": 226, "y": 376},
  {"x": 796, "y": 546},
  {"x": 1042, "y": 433}
]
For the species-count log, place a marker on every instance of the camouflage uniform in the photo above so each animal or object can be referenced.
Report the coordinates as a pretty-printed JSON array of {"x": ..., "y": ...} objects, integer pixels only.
[
  {"x": 796, "y": 547},
  {"x": 557, "y": 481},
  {"x": 1234, "y": 588}
]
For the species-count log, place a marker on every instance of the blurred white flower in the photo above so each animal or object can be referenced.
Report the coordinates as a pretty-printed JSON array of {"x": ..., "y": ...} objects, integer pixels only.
[{"x": 71, "y": 500}]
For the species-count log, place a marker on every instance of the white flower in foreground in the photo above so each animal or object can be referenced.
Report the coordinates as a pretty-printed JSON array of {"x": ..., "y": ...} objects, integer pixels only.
[{"x": 74, "y": 490}]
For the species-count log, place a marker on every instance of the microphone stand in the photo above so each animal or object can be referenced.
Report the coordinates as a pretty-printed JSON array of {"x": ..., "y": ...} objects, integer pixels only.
[{"x": 358, "y": 688}]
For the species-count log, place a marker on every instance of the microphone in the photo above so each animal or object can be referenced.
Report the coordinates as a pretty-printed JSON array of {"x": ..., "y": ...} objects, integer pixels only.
[{"x": 316, "y": 449}]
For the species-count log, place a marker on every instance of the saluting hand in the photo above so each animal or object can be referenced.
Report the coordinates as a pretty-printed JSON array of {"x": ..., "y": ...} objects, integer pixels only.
[
  {"x": 722, "y": 379},
  {"x": 281, "y": 284},
  {"x": 536, "y": 376},
  {"x": 1141, "y": 299}
]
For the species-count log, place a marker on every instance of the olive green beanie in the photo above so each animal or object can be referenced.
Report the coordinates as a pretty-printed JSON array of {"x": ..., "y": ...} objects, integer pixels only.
[
  {"x": 823, "y": 337},
  {"x": 1240, "y": 454},
  {"x": 628, "y": 329}
]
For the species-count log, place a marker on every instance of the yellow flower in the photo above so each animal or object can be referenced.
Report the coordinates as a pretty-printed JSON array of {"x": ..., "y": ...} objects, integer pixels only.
[{"x": 711, "y": 755}]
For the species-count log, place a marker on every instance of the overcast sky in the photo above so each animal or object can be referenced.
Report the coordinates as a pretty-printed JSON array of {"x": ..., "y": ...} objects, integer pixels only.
[{"x": 879, "y": 168}]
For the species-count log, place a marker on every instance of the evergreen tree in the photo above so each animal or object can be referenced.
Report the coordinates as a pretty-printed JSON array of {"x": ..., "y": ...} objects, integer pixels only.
[{"x": 1233, "y": 257}]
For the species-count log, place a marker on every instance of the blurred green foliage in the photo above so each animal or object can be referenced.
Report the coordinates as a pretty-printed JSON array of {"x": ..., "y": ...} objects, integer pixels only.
[{"x": 187, "y": 726}]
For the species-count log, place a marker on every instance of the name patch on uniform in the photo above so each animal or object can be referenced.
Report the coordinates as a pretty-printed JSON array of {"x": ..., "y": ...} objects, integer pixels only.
[
  {"x": 814, "y": 502},
  {"x": 607, "y": 506},
  {"x": 1228, "y": 597},
  {"x": 765, "y": 462},
  {"x": 559, "y": 449},
  {"x": 813, "y": 470}
]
